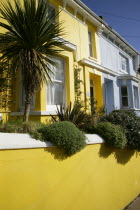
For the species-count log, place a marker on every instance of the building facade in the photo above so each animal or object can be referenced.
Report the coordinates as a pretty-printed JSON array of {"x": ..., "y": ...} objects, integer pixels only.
[
  {"x": 120, "y": 80},
  {"x": 102, "y": 61}
]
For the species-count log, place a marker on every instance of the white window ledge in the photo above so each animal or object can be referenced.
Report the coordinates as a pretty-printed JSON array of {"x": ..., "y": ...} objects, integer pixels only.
[
  {"x": 128, "y": 77},
  {"x": 23, "y": 141},
  {"x": 92, "y": 58},
  {"x": 123, "y": 72},
  {"x": 37, "y": 113},
  {"x": 94, "y": 64}
]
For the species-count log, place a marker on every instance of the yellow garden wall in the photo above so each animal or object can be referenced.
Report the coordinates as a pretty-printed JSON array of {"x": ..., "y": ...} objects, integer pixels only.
[{"x": 43, "y": 179}]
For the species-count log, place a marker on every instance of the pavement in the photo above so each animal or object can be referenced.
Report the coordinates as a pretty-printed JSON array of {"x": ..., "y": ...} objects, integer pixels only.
[{"x": 134, "y": 205}]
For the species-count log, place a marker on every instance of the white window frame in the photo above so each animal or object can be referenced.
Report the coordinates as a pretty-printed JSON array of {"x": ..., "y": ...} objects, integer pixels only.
[
  {"x": 53, "y": 108},
  {"x": 123, "y": 63},
  {"x": 90, "y": 44},
  {"x": 124, "y": 97}
]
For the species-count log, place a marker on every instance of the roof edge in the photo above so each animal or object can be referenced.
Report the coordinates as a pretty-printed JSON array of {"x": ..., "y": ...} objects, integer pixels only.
[{"x": 104, "y": 23}]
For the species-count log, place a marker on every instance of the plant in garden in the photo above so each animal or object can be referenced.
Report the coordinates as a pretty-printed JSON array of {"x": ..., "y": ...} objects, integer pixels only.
[
  {"x": 64, "y": 135},
  {"x": 18, "y": 126},
  {"x": 130, "y": 122},
  {"x": 30, "y": 42},
  {"x": 77, "y": 84},
  {"x": 76, "y": 114},
  {"x": 97, "y": 111},
  {"x": 114, "y": 135}
]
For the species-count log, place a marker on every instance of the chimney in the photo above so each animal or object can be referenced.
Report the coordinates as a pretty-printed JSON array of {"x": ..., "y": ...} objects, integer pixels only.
[{"x": 102, "y": 18}]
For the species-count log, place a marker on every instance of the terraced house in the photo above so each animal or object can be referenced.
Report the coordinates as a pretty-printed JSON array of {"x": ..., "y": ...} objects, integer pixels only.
[
  {"x": 94, "y": 54},
  {"x": 120, "y": 62}
]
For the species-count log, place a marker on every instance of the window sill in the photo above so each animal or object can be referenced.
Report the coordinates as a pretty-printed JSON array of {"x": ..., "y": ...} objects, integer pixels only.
[
  {"x": 34, "y": 113},
  {"x": 94, "y": 59},
  {"x": 131, "y": 109},
  {"x": 135, "y": 109},
  {"x": 122, "y": 71}
]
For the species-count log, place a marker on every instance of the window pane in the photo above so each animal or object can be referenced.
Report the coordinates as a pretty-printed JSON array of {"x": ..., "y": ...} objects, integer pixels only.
[
  {"x": 124, "y": 96},
  {"x": 55, "y": 90},
  {"x": 124, "y": 90},
  {"x": 124, "y": 101},
  {"x": 90, "y": 44},
  {"x": 133, "y": 61},
  {"x": 136, "y": 102},
  {"x": 90, "y": 50},
  {"x": 89, "y": 37},
  {"x": 91, "y": 92},
  {"x": 123, "y": 67},
  {"x": 55, "y": 94},
  {"x": 123, "y": 63},
  {"x": 58, "y": 71}
]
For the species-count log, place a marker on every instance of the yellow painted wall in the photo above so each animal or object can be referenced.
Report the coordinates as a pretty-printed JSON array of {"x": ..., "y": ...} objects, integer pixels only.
[{"x": 44, "y": 179}]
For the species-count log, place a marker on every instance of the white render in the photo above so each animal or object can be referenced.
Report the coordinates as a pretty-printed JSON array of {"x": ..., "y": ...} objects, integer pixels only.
[{"x": 23, "y": 141}]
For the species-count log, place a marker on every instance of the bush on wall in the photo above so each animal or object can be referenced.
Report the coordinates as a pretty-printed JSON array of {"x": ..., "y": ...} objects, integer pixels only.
[
  {"x": 130, "y": 122},
  {"x": 18, "y": 126},
  {"x": 64, "y": 135},
  {"x": 114, "y": 135}
]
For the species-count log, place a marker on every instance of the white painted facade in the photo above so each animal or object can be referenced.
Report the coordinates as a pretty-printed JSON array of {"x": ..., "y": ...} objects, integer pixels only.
[{"x": 121, "y": 59}]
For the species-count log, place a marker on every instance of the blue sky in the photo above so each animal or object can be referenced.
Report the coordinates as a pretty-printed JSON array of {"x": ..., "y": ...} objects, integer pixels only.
[{"x": 125, "y": 8}]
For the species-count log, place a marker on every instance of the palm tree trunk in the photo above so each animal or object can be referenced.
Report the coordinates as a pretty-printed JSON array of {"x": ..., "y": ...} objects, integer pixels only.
[{"x": 27, "y": 106}]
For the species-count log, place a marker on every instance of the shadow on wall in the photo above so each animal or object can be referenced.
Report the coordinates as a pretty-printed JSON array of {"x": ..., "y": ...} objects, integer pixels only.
[
  {"x": 57, "y": 153},
  {"x": 121, "y": 155}
]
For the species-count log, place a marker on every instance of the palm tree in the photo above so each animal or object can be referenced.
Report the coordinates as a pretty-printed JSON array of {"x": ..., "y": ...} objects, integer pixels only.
[{"x": 30, "y": 42}]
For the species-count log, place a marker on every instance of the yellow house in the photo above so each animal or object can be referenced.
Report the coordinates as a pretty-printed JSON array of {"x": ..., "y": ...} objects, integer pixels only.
[{"x": 80, "y": 58}]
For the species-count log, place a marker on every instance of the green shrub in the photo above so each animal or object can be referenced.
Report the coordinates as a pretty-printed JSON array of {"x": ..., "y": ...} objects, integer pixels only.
[
  {"x": 130, "y": 122},
  {"x": 18, "y": 126},
  {"x": 89, "y": 126},
  {"x": 10, "y": 126},
  {"x": 65, "y": 135},
  {"x": 114, "y": 135}
]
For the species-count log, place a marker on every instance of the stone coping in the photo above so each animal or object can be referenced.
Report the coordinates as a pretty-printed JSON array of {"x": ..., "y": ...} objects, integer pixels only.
[{"x": 25, "y": 141}]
